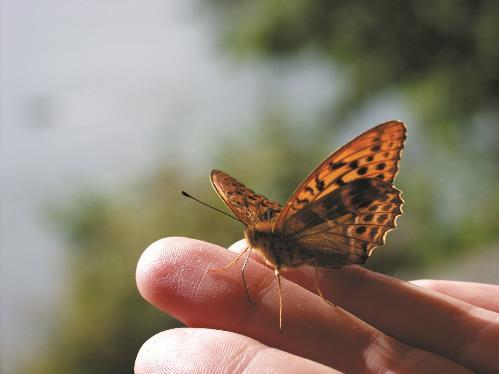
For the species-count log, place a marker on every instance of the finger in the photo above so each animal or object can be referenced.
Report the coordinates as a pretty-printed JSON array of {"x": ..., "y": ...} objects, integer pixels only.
[
  {"x": 214, "y": 351},
  {"x": 172, "y": 275},
  {"x": 414, "y": 315},
  {"x": 482, "y": 295},
  {"x": 407, "y": 314}
]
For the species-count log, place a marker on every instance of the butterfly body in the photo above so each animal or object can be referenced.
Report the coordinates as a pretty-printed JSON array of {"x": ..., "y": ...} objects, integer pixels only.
[
  {"x": 278, "y": 251},
  {"x": 336, "y": 216}
]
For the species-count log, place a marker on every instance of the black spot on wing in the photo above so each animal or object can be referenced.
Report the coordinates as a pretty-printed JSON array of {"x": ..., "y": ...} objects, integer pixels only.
[
  {"x": 382, "y": 198},
  {"x": 360, "y": 229},
  {"x": 354, "y": 164},
  {"x": 336, "y": 165},
  {"x": 382, "y": 218},
  {"x": 310, "y": 190},
  {"x": 362, "y": 170},
  {"x": 302, "y": 201},
  {"x": 380, "y": 166},
  {"x": 319, "y": 184}
]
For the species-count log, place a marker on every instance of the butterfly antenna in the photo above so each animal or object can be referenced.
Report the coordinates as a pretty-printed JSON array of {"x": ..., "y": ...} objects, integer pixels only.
[{"x": 208, "y": 205}]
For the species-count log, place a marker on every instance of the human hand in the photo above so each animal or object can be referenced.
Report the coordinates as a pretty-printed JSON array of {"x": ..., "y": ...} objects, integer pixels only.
[{"x": 380, "y": 323}]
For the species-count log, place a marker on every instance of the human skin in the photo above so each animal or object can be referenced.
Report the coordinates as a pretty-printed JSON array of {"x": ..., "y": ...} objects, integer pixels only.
[{"x": 379, "y": 323}]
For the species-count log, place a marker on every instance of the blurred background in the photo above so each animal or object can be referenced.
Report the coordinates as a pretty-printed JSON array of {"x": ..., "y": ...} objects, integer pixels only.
[{"x": 109, "y": 109}]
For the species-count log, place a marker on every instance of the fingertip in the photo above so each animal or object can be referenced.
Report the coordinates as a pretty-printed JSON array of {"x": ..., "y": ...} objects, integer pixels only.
[
  {"x": 182, "y": 350},
  {"x": 185, "y": 350},
  {"x": 147, "y": 360},
  {"x": 157, "y": 355},
  {"x": 166, "y": 261},
  {"x": 151, "y": 266}
]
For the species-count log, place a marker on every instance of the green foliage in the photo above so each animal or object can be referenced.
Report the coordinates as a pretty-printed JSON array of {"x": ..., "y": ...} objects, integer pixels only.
[{"x": 444, "y": 53}]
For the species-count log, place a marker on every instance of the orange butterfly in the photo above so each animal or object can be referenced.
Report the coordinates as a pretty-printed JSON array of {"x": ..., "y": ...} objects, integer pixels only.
[{"x": 336, "y": 216}]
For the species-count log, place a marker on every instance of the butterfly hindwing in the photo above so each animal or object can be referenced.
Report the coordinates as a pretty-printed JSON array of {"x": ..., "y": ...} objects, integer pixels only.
[
  {"x": 373, "y": 154},
  {"x": 344, "y": 227},
  {"x": 248, "y": 206}
]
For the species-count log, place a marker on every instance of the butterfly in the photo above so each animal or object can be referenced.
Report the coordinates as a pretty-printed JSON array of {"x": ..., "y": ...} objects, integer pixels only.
[{"x": 336, "y": 216}]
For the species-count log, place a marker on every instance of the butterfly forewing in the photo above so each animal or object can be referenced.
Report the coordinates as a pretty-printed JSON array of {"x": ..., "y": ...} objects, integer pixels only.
[
  {"x": 248, "y": 206},
  {"x": 373, "y": 154}
]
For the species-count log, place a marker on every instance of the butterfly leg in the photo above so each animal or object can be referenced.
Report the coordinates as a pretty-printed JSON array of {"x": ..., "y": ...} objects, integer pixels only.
[
  {"x": 278, "y": 275},
  {"x": 319, "y": 292},
  {"x": 231, "y": 263},
  {"x": 242, "y": 273},
  {"x": 248, "y": 249}
]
